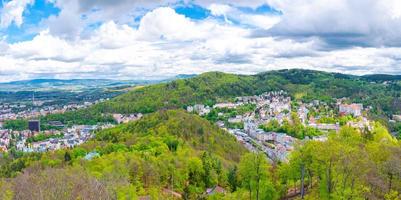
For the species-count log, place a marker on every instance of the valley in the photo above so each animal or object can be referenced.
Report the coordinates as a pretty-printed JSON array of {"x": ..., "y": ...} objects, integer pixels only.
[{"x": 207, "y": 137}]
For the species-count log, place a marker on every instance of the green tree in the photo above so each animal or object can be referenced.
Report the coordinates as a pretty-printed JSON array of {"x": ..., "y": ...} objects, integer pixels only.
[
  {"x": 253, "y": 172},
  {"x": 232, "y": 177},
  {"x": 67, "y": 156}
]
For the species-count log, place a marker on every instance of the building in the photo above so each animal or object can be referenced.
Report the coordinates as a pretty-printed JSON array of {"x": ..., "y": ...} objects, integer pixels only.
[
  {"x": 34, "y": 125},
  {"x": 351, "y": 109},
  {"x": 214, "y": 190},
  {"x": 237, "y": 119},
  {"x": 303, "y": 114},
  {"x": 326, "y": 127},
  {"x": 397, "y": 118},
  {"x": 225, "y": 105},
  {"x": 199, "y": 108},
  {"x": 56, "y": 124}
]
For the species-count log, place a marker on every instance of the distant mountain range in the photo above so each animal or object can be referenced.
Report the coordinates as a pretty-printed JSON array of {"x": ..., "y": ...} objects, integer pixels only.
[
  {"x": 82, "y": 84},
  {"x": 77, "y": 84}
]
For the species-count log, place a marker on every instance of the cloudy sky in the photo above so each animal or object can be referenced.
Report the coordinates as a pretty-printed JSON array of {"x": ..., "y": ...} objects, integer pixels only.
[{"x": 143, "y": 39}]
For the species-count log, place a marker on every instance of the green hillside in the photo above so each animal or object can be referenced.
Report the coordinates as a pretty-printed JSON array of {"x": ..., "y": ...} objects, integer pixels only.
[
  {"x": 167, "y": 150},
  {"x": 205, "y": 88},
  {"x": 212, "y": 87},
  {"x": 175, "y": 155},
  {"x": 171, "y": 154},
  {"x": 216, "y": 86}
]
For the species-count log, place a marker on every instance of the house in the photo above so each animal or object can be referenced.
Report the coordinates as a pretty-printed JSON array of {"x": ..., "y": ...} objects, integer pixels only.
[
  {"x": 215, "y": 190},
  {"x": 325, "y": 127},
  {"x": 118, "y": 118},
  {"x": 199, "y": 108},
  {"x": 397, "y": 118},
  {"x": 220, "y": 124},
  {"x": 56, "y": 124},
  {"x": 303, "y": 114},
  {"x": 351, "y": 109},
  {"x": 225, "y": 105},
  {"x": 361, "y": 124},
  {"x": 237, "y": 119}
]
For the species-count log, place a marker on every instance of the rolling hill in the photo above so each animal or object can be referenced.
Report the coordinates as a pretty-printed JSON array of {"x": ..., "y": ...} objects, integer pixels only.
[
  {"x": 171, "y": 154},
  {"x": 211, "y": 87},
  {"x": 164, "y": 151},
  {"x": 78, "y": 84},
  {"x": 305, "y": 85}
]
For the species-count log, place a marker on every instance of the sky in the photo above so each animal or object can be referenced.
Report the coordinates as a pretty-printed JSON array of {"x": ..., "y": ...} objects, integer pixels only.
[{"x": 152, "y": 39}]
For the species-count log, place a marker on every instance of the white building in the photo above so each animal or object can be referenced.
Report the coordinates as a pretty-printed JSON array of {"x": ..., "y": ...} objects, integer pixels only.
[{"x": 351, "y": 109}]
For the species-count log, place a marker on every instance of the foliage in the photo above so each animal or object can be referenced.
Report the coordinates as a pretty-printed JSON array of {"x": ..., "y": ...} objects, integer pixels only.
[
  {"x": 42, "y": 137},
  {"x": 171, "y": 151},
  {"x": 347, "y": 166},
  {"x": 167, "y": 150},
  {"x": 253, "y": 173},
  {"x": 294, "y": 128},
  {"x": 212, "y": 87},
  {"x": 239, "y": 125},
  {"x": 78, "y": 117},
  {"x": 16, "y": 125}
]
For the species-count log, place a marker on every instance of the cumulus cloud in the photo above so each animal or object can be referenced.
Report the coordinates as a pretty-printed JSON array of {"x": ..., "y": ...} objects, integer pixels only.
[
  {"x": 341, "y": 22},
  {"x": 230, "y": 13},
  {"x": 220, "y": 9},
  {"x": 161, "y": 43},
  {"x": 76, "y": 15},
  {"x": 164, "y": 23},
  {"x": 12, "y": 12}
]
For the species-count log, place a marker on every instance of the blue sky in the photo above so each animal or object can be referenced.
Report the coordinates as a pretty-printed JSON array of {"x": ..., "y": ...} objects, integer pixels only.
[
  {"x": 40, "y": 10},
  {"x": 134, "y": 39},
  {"x": 33, "y": 15}
]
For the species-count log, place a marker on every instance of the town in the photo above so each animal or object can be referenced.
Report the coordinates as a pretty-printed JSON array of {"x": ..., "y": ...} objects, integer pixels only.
[
  {"x": 248, "y": 119},
  {"x": 258, "y": 122},
  {"x": 36, "y": 140},
  {"x": 35, "y": 109}
]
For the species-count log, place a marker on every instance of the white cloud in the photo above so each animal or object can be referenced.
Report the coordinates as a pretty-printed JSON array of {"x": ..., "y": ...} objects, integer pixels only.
[
  {"x": 239, "y": 3},
  {"x": 220, "y": 9},
  {"x": 47, "y": 47},
  {"x": 76, "y": 16},
  {"x": 262, "y": 21},
  {"x": 343, "y": 22},
  {"x": 259, "y": 21},
  {"x": 164, "y": 23},
  {"x": 12, "y": 12},
  {"x": 164, "y": 43}
]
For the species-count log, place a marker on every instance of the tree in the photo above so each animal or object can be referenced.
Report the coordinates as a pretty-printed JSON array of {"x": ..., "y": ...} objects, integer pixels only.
[
  {"x": 253, "y": 172},
  {"x": 233, "y": 178},
  {"x": 60, "y": 184},
  {"x": 172, "y": 144},
  {"x": 67, "y": 156}
]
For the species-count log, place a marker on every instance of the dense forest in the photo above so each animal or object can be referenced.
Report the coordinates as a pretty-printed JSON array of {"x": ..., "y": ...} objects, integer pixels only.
[
  {"x": 172, "y": 154},
  {"x": 211, "y": 87}
]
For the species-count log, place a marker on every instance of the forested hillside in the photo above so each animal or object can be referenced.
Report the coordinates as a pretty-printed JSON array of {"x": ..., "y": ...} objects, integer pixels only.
[
  {"x": 211, "y": 87},
  {"x": 165, "y": 151},
  {"x": 214, "y": 86},
  {"x": 171, "y": 154},
  {"x": 175, "y": 155},
  {"x": 301, "y": 84},
  {"x": 382, "y": 92}
]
